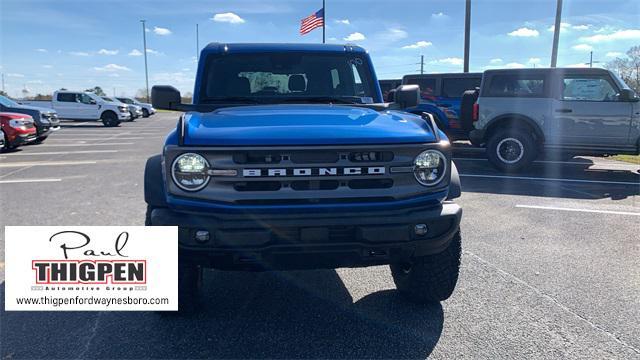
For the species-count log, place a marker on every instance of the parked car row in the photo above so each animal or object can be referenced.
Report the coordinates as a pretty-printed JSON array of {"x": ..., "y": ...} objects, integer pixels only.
[
  {"x": 79, "y": 105},
  {"x": 518, "y": 114},
  {"x": 45, "y": 120},
  {"x": 31, "y": 122},
  {"x": 16, "y": 129}
]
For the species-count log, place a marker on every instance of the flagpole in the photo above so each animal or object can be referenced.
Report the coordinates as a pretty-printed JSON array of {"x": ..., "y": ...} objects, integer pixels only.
[{"x": 324, "y": 21}]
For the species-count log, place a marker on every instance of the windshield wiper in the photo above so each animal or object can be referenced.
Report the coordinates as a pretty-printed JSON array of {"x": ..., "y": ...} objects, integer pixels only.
[{"x": 324, "y": 99}]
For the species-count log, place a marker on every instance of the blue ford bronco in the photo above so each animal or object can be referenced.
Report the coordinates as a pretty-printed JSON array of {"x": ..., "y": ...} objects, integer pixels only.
[{"x": 288, "y": 158}]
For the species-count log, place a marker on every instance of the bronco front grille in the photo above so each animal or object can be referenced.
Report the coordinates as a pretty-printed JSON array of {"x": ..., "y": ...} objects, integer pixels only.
[{"x": 306, "y": 175}]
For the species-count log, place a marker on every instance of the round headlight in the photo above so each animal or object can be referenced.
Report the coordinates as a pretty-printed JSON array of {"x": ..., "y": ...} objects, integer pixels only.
[
  {"x": 189, "y": 172},
  {"x": 430, "y": 167}
]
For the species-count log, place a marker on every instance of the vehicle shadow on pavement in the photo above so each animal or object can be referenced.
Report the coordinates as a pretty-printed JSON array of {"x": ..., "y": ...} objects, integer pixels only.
[
  {"x": 577, "y": 178},
  {"x": 307, "y": 314}
]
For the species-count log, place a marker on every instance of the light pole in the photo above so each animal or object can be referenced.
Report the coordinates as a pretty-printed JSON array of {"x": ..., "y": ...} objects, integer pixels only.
[
  {"x": 144, "y": 42},
  {"x": 556, "y": 34},
  {"x": 467, "y": 34}
]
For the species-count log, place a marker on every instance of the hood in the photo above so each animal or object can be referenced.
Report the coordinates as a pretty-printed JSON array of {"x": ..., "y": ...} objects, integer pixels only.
[
  {"x": 33, "y": 108},
  {"x": 303, "y": 125}
]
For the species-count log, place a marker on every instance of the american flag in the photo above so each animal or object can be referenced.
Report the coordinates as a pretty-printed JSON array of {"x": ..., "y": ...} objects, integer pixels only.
[{"x": 312, "y": 22}]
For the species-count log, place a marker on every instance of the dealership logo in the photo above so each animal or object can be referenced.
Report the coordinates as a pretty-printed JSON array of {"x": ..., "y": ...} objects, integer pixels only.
[
  {"x": 117, "y": 269},
  {"x": 320, "y": 171}
]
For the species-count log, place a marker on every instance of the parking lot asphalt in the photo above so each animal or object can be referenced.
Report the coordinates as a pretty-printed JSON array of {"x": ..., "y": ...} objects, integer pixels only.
[{"x": 550, "y": 268}]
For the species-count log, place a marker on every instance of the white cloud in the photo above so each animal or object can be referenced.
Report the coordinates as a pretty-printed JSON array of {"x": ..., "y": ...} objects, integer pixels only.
[
  {"x": 566, "y": 26},
  {"x": 448, "y": 61},
  {"x": 153, "y": 52},
  {"x": 35, "y": 82},
  {"x": 41, "y": 50},
  {"x": 439, "y": 15},
  {"x": 161, "y": 31},
  {"x": 107, "y": 52},
  {"x": 47, "y": 66},
  {"x": 580, "y": 65},
  {"x": 79, "y": 53},
  {"x": 514, "y": 65},
  {"x": 173, "y": 78},
  {"x": 495, "y": 61},
  {"x": 614, "y": 54},
  {"x": 534, "y": 60},
  {"x": 563, "y": 26},
  {"x": 392, "y": 34},
  {"x": 229, "y": 17},
  {"x": 582, "y": 47},
  {"x": 356, "y": 36},
  {"x": 581, "y": 27},
  {"x": 112, "y": 68},
  {"x": 524, "y": 32},
  {"x": 630, "y": 34},
  {"x": 15, "y": 75},
  {"x": 343, "y": 21},
  {"x": 135, "y": 52},
  {"x": 419, "y": 45}
]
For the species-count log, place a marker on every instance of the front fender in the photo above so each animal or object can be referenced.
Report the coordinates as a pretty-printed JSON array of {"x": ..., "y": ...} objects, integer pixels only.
[{"x": 455, "y": 189}]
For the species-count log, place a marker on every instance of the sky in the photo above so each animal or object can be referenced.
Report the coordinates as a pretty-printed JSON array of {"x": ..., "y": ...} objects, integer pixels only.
[{"x": 49, "y": 44}]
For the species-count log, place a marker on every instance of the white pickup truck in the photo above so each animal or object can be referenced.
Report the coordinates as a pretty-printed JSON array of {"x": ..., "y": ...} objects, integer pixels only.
[{"x": 79, "y": 105}]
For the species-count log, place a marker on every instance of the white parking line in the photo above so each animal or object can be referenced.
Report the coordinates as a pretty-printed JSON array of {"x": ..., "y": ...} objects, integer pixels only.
[
  {"x": 557, "y": 162},
  {"x": 550, "y": 179},
  {"x": 72, "y": 145},
  {"x": 93, "y": 139},
  {"x": 62, "y": 152},
  {"x": 46, "y": 163},
  {"x": 19, "y": 181},
  {"x": 578, "y": 210}
]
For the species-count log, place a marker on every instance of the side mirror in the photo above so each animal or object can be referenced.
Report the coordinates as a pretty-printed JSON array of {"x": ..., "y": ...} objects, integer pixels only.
[
  {"x": 628, "y": 95},
  {"x": 407, "y": 96},
  {"x": 92, "y": 102},
  {"x": 165, "y": 97},
  {"x": 391, "y": 96}
]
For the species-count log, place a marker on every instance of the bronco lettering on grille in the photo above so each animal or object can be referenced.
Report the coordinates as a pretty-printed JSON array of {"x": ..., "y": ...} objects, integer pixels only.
[{"x": 326, "y": 171}]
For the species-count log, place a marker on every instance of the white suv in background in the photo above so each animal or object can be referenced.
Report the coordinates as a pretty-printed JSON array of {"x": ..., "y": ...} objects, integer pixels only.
[{"x": 147, "y": 109}]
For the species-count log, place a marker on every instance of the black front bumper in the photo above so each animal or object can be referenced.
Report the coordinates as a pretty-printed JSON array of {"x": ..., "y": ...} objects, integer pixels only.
[{"x": 311, "y": 241}]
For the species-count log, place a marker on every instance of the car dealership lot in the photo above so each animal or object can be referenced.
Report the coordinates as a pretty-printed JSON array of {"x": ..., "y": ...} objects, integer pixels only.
[{"x": 550, "y": 267}]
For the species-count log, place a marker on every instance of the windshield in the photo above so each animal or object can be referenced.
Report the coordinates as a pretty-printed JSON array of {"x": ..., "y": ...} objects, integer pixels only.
[
  {"x": 108, "y": 99},
  {"x": 8, "y": 102},
  {"x": 282, "y": 77},
  {"x": 126, "y": 101}
]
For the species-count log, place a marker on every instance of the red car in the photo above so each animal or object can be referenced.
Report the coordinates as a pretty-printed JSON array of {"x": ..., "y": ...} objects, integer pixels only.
[{"x": 16, "y": 129}]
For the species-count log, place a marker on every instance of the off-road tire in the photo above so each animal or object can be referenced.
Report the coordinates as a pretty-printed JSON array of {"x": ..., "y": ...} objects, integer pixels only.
[
  {"x": 145, "y": 113},
  {"x": 500, "y": 144},
  {"x": 431, "y": 278},
  {"x": 110, "y": 119},
  {"x": 189, "y": 286}
]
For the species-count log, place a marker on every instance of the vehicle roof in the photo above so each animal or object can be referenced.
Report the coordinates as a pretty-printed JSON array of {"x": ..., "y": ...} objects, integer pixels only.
[
  {"x": 593, "y": 71},
  {"x": 13, "y": 115},
  {"x": 433, "y": 75},
  {"x": 214, "y": 48}
]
